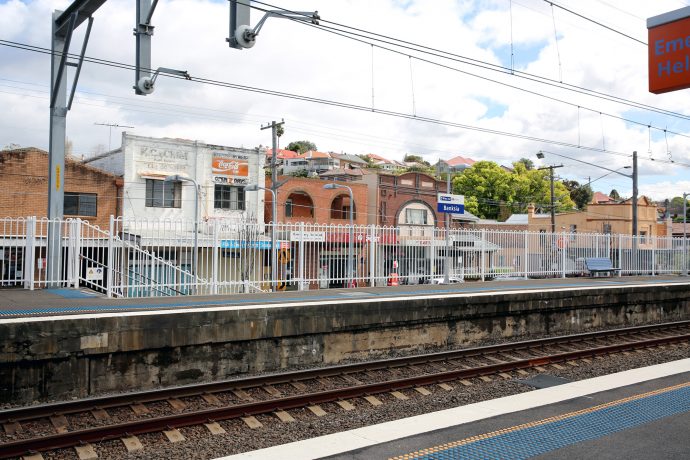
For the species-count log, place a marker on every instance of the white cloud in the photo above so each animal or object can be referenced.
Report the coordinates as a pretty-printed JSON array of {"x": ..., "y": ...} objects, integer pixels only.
[{"x": 293, "y": 58}]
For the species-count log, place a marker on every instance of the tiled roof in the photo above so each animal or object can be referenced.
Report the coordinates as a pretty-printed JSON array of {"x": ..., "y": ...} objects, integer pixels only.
[
  {"x": 601, "y": 198},
  {"x": 378, "y": 158},
  {"x": 282, "y": 154},
  {"x": 314, "y": 154},
  {"x": 457, "y": 161}
]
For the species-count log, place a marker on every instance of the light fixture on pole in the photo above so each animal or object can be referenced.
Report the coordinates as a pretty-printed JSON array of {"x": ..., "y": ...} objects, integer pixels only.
[
  {"x": 195, "y": 255},
  {"x": 350, "y": 274},
  {"x": 274, "y": 268}
]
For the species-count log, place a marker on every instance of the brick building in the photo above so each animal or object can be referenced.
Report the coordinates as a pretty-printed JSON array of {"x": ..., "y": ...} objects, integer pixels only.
[
  {"x": 405, "y": 199},
  {"x": 303, "y": 199},
  {"x": 90, "y": 193}
]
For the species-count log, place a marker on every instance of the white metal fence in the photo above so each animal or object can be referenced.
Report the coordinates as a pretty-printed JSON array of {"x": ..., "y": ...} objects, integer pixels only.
[{"x": 143, "y": 258}]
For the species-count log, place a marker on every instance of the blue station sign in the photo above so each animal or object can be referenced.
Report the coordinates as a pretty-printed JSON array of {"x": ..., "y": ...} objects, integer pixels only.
[{"x": 447, "y": 202}]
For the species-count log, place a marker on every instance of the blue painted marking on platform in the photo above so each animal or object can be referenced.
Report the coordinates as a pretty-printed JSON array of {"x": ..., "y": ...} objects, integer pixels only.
[
  {"x": 461, "y": 289},
  {"x": 70, "y": 293},
  {"x": 536, "y": 440}
]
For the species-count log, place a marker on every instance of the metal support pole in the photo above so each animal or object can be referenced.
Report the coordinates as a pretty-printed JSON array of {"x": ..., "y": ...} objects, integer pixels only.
[
  {"x": 274, "y": 192},
  {"x": 634, "y": 198},
  {"x": 56, "y": 152},
  {"x": 553, "y": 203},
  {"x": 685, "y": 232},
  {"x": 109, "y": 274},
  {"x": 446, "y": 270},
  {"x": 143, "y": 33},
  {"x": 350, "y": 249}
]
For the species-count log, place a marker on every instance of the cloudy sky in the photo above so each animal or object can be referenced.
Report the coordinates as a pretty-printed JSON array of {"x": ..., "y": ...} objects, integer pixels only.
[{"x": 460, "y": 88}]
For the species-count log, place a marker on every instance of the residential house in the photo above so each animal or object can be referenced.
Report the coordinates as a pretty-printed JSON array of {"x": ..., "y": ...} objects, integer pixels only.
[
  {"x": 348, "y": 161},
  {"x": 312, "y": 162}
]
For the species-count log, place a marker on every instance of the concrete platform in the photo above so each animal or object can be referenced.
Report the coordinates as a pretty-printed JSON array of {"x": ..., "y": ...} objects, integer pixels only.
[
  {"x": 16, "y": 302},
  {"x": 641, "y": 413},
  {"x": 55, "y": 344}
]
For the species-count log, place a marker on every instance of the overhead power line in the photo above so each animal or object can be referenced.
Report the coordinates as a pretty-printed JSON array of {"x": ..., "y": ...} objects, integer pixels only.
[
  {"x": 595, "y": 22},
  {"x": 404, "y": 44},
  {"x": 332, "y": 103},
  {"x": 328, "y": 102}
]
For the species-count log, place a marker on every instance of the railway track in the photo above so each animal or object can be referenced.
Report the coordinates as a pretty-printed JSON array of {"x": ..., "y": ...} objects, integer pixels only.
[{"x": 81, "y": 422}]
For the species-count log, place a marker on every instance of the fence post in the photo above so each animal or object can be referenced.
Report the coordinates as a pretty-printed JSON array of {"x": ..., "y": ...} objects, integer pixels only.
[
  {"x": 654, "y": 241},
  {"x": 483, "y": 260},
  {"x": 111, "y": 259},
  {"x": 563, "y": 256},
  {"x": 620, "y": 255},
  {"x": 74, "y": 252},
  {"x": 300, "y": 269},
  {"x": 526, "y": 254},
  {"x": 432, "y": 268},
  {"x": 214, "y": 258},
  {"x": 372, "y": 255},
  {"x": 29, "y": 253}
]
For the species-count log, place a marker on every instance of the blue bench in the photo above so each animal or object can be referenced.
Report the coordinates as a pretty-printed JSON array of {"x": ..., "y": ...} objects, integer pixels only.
[{"x": 597, "y": 265}]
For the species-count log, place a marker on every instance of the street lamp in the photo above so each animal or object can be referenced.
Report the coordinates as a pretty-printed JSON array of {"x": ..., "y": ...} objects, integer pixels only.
[
  {"x": 274, "y": 268},
  {"x": 178, "y": 178},
  {"x": 333, "y": 186}
]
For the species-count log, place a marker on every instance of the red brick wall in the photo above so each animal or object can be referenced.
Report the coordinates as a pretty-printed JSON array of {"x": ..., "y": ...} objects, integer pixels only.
[
  {"x": 321, "y": 199},
  {"x": 397, "y": 191},
  {"x": 24, "y": 186}
]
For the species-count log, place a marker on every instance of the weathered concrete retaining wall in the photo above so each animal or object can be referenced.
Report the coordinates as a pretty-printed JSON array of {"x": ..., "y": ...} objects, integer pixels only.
[{"x": 49, "y": 358}]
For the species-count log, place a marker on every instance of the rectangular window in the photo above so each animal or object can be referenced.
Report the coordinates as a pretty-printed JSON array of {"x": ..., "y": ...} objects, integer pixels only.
[
  {"x": 80, "y": 204},
  {"x": 163, "y": 194},
  {"x": 228, "y": 197},
  {"x": 607, "y": 229},
  {"x": 415, "y": 216},
  {"x": 288, "y": 208}
]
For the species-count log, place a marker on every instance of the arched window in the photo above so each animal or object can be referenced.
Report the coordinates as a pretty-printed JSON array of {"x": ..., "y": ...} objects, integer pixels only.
[
  {"x": 299, "y": 204},
  {"x": 340, "y": 207}
]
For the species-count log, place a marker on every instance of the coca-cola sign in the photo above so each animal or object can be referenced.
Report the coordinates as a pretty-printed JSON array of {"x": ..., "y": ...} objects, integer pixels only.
[{"x": 225, "y": 166}]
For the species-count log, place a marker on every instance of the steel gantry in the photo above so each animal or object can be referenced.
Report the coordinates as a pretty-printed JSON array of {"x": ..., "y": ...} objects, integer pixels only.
[{"x": 63, "y": 24}]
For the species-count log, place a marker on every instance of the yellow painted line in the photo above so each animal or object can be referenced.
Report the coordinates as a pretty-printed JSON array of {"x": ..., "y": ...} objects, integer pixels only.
[{"x": 545, "y": 421}]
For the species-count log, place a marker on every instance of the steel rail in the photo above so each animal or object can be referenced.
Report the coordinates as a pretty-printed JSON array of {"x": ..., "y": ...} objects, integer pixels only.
[
  {"x": 105, "y": 402},
  {"x": 69, "y": 439}
]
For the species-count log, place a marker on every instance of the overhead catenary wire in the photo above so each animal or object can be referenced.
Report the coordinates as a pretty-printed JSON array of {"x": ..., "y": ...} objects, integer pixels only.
[
  {"x": 464, "y": 59},
  {"x": 348, "y": 106},
  {"x": 535, "y": 93}
]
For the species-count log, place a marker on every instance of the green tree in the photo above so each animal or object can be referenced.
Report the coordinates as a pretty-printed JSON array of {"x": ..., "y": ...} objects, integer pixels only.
[
  {"x": 301, "y": 146},
  {"x": 676, "y": 207},
  {"x": 410, "y": 158},
  {"x": 581, "y": 194},
  {"x": 529, "y": 164},
  {"x": 614, "y": 195},
  {"x": 488, "y": 184},
  {"x": 497, "y": 193}
]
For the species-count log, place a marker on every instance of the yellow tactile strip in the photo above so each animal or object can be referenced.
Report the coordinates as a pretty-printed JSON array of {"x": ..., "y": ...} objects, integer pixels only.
[{"x": 545, "y": 421}]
